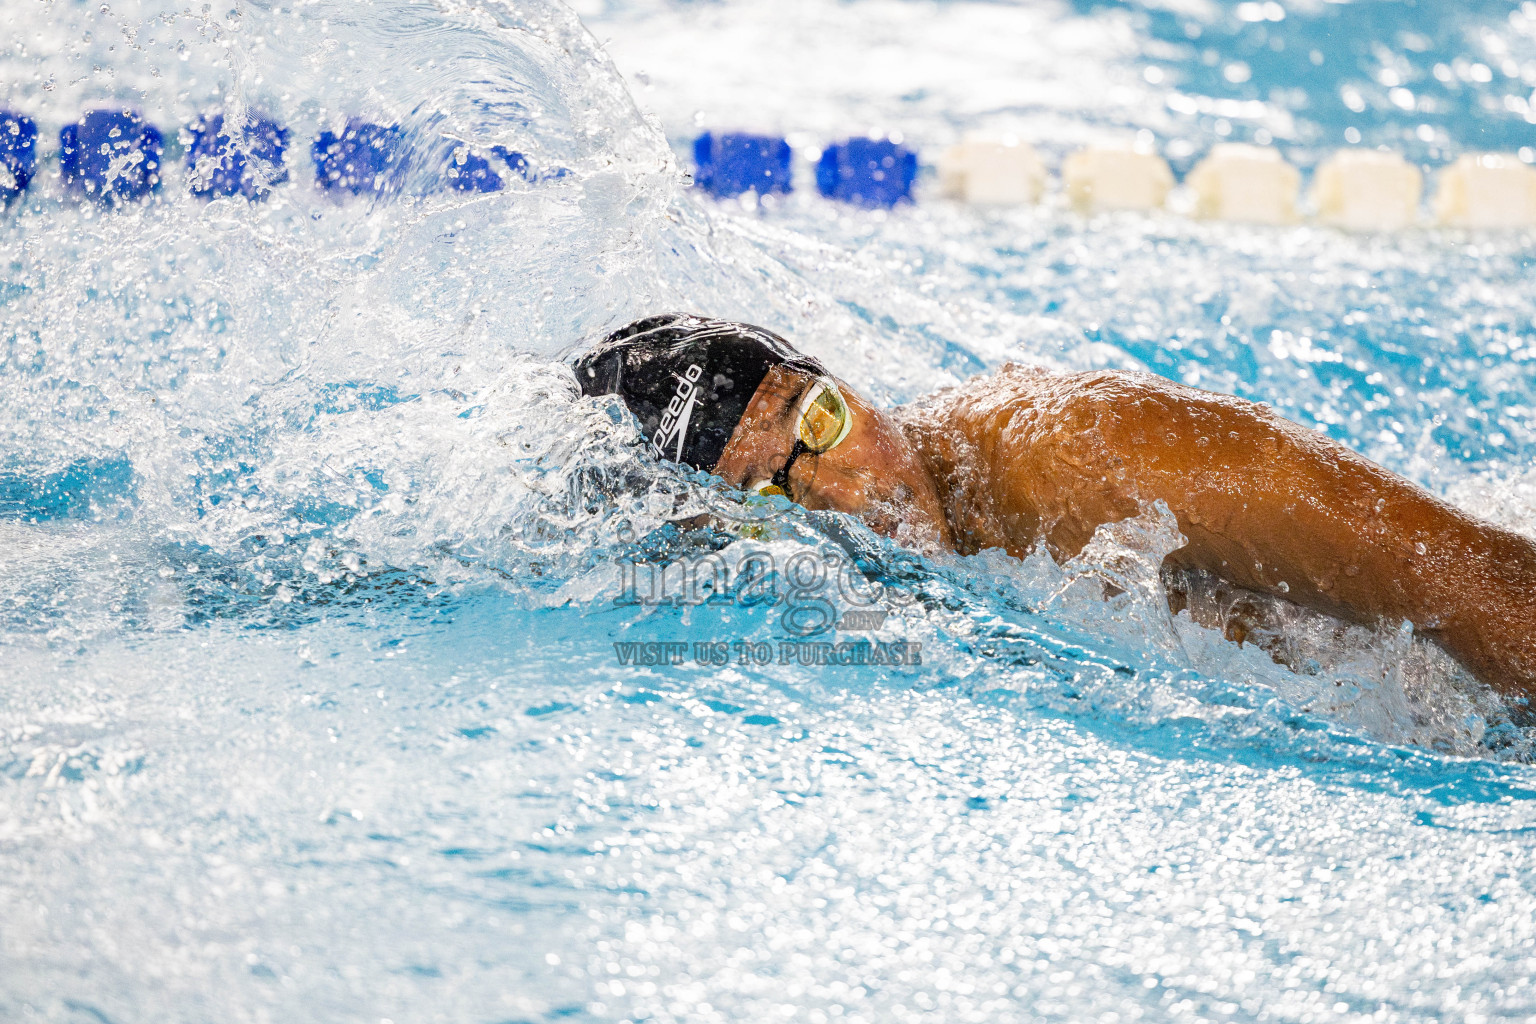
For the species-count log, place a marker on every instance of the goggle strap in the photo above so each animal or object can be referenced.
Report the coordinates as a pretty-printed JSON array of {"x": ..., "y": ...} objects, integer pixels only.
[{"x": 781, "y": 478}]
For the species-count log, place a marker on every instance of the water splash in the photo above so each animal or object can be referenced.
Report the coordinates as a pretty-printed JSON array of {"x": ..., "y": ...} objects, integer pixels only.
[{"x": 310, "y": 555}]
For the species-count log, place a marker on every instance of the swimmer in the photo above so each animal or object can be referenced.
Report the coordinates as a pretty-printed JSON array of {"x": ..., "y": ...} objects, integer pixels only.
[{"x": 1027, "y": 457}]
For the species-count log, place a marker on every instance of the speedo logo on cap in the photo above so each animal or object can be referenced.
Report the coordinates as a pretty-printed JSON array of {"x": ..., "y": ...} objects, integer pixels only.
[{"x": 674, "y": 419}]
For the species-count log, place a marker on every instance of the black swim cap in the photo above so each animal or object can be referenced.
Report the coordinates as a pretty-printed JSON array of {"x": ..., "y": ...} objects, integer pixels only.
[{"x": 688, "y": 379}]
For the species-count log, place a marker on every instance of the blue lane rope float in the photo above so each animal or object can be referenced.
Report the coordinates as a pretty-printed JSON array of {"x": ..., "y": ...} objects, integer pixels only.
[
  {"x": 467, "y": 171},
  {"x": 872, "y": 173},
  {"x": 733, "y": 163},
  {"x": 18, "y": 155},
  {"x": 111, "y": 156},
  {"x": 365, "y": 158},
  {"x": 519, "y": 165},
  {"x": 516, "y": 162},
  {"x": 248, "y": 166},
  {"x": 471, "y": 172}
]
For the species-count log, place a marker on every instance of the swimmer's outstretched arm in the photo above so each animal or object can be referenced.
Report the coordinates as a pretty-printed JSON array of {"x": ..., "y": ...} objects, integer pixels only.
[{"x": 1265, "y": 504}]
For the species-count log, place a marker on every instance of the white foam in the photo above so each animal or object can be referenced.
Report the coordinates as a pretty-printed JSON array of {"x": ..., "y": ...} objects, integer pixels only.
[{"x": 834, "y": 70}]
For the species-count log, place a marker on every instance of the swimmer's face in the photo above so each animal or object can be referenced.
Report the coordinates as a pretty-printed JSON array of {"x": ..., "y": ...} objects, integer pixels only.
[{"x": 872, "y": 473}]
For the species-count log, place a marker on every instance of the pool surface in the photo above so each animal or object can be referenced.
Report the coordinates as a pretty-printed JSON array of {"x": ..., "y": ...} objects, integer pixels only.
[{"x": 324, "y": 603}]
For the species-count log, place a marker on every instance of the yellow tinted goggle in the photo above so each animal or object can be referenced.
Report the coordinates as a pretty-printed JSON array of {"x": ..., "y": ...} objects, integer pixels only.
[{"x": 822, "y": 421}]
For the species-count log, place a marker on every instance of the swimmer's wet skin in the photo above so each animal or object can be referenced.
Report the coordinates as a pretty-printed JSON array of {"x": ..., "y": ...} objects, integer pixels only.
[{"x": 1026, "y": 456}]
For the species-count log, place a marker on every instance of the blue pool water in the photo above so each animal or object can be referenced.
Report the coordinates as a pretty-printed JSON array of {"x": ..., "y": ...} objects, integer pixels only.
[{"x": 312, "y": 568}]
